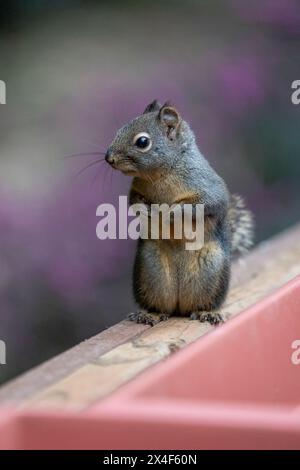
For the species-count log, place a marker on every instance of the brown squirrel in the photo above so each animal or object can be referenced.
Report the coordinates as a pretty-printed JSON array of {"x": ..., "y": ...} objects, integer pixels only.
[{"x": 159, "y": 150}]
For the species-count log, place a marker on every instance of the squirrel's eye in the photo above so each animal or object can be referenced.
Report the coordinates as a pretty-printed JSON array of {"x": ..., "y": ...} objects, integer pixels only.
[{"x": 142, "y": 141}]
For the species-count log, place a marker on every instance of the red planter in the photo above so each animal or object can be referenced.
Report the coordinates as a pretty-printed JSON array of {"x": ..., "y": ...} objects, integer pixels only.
[{"x": 238, "y": 387}]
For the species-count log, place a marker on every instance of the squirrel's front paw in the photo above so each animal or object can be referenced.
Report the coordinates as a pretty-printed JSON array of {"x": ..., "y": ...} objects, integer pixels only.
[
  {"x": 214, "y": 318},
  {"x": 148, "y": 318}
]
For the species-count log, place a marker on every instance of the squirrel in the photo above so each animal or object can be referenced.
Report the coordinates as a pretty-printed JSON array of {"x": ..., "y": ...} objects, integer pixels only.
[{"x": 158, "y": 149}]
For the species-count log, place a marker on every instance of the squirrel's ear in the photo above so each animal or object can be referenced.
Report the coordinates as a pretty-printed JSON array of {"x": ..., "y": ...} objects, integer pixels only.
[
  {"x": 153, "y": 106},
  {"x": 171, "y": 120}
]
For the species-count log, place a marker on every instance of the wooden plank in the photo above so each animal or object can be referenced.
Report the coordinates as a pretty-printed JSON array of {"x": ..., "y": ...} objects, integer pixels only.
[
  {"x": 98, "y": 379},
  {"x": 60, "y": 366},
  {"x": 266, "y": 268}
]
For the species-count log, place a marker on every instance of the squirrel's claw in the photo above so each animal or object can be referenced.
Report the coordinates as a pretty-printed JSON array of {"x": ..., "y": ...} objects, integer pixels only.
[
  {"x": 214, "y": 318},
  {"x": 147, "y": 318}
]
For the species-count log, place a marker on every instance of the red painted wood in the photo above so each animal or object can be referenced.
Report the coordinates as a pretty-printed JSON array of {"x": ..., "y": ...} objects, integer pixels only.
[{"x": 235, "y": 388}]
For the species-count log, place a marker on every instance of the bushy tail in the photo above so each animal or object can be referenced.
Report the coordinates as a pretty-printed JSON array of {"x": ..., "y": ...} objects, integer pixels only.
[{"x": 242, "y": 226}]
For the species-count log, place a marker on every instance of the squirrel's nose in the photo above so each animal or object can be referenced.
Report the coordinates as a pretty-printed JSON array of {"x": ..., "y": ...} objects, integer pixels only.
[{"x": 109, "y": 157}]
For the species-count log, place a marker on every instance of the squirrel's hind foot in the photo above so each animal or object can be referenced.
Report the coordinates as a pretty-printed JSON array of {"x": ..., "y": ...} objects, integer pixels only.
[
  {"x": 214, "y": 318},
  {"x": 147, "y": 318}
]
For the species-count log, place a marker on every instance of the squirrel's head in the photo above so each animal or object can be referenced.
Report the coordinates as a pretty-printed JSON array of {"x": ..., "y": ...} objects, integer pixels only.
[{"x": 150, "y": 144}]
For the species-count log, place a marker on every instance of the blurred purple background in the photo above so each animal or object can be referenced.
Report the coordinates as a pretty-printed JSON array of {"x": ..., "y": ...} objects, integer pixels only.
[{"x": 75, "y": 72}]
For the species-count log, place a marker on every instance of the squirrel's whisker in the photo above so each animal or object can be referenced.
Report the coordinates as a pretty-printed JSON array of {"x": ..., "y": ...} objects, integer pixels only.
[
  {"x": 84, "y": 154},
  {"x": 96, "y": 162}
]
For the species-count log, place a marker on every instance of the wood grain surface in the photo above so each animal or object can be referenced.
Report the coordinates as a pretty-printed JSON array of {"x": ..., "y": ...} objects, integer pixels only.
[{"x": 97, "y": 367}]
